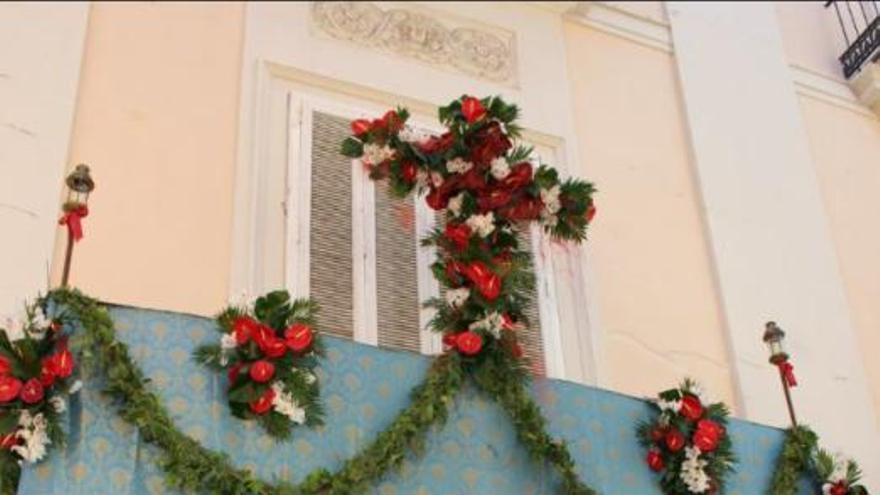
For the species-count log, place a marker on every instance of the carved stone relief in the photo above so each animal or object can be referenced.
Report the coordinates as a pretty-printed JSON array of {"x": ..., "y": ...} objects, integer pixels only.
[{"x": 473, "y": 51}]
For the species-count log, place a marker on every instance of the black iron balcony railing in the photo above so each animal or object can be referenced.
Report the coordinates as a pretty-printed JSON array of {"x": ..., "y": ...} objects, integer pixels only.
[{"x": 860, "y": 24}]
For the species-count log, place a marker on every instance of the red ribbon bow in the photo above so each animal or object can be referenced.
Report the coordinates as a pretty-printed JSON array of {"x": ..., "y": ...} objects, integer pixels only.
[
  {"x": 787, "y": 371},
  {"x": 73, "y": 220}
]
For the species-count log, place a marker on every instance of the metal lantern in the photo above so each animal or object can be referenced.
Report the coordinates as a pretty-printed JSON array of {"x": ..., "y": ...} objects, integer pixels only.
[
  {"x": 774, "y": 337},
  {"x": 79, "y": 186}
]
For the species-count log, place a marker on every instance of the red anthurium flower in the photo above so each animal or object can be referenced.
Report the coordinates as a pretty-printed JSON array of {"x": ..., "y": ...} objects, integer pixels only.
[
  {"x": 449, "y": 339},
  {"x": 299, "y": 337},
  {"x": 476, "y": 270},
  {"x": 838, "y": 489},
  {"x": 675, "y": 440},
  {"x": 32, "y": 391},
  {"x": 62, "y": 363},
  {"x": 520, "y": 175},
  {"x": 655, "y": 460},
  {"x": 408, "y": 172},
  {"x": 658, "y": 434},
  {"x": 232, "y": 374},
  {"x": 591, "y": 212},
  {"x": 391, "y": 121},
  {"x": 9, "y": 388},
  {"x": 454, "y": 270},
  {"x": 527, "y": 208},
  {"x": 468, "y": 343},
  {"x": 459, "y": 234},
  {"x": 711, "y": 427},
  {"x": 472, "y": 109},
  {"x": 264, "y": 403},
  {"x": 8, "y": 441},
  {"x": 490, "y": 288},
  {"x": 473, "y": 180},
  {"x": 691, "y": 408},
  {"x": 360, "y": 127},
  {"x": 5, "y": 367},
  {"x": 437, "y": 199},
  {"x": 436, "y": 144},
  {"x": 275, "y": 347},
  {"x": 243, "y": 327},
  {"x": 262, "y": 371},
  {"x": 705, "y": 440},
  {"x": 507, "y": 322},
  {"x": 56, "y": 326},
  {"x": 491, "y": 200},
  {"x": 262, "y": 335},
  {"x": 47, "y": 375}
]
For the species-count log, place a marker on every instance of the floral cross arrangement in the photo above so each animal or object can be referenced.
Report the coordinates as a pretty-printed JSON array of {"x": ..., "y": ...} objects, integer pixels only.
[
  {"x": 688, "y": 442},
  {"x": 269, "y": 352},
  {"x": 487, "y": 187},
  {"x": 36, "y": 376},
  {"x": 838, "y": 475}
]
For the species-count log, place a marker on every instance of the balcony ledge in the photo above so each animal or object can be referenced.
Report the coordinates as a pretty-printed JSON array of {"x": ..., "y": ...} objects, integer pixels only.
[{"x": 866, "y": 85}]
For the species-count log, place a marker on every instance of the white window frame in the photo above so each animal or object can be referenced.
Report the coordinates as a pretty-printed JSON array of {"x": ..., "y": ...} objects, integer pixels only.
[{"x": 261, "y": 238}]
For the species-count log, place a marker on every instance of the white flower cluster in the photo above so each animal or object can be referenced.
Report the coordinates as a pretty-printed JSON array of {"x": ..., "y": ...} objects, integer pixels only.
[
  {"x": 457, "y": 297},
  {"x": 285, "y": 404},
  {"x": 458, "y": 165},
  {"x": 500, "y": 168},
  {"x": 455, "y": 204},
  {"x": 550, "y": 198},
  {"x": 14, "y": 328},
  {"x": 413, "y": 135},
  {"x": 32, "y": 430},
  {"x": 692, "y": 471},
  {"x": 227, "y": 345},
  {"x": 483, "y": 225},
  {"x": 669, "y": 405},
  {"x": 58, "y": 404},
  {"x": 492, "y": 323},
  {"x": 375, "y": 154}
]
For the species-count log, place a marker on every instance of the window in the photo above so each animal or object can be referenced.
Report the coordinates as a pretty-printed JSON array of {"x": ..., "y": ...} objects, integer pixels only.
[{"x": 355, "y": 249}]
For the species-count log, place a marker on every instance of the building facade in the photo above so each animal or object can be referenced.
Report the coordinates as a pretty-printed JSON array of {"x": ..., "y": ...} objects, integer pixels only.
[{"x": 736, "y": 169}]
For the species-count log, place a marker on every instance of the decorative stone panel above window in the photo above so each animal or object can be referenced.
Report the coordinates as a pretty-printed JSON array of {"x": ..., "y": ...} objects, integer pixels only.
[{"x": 439, "y": 40}]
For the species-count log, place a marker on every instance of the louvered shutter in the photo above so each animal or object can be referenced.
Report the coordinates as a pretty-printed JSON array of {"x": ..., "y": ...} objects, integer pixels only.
[
  {"x": 397, "y": 296},
  {"x": 330, "y": 245},
  {"x": 531, "y": 338}
]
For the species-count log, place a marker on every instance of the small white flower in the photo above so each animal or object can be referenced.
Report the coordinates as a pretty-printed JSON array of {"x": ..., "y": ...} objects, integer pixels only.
[
  {"x": 550, "y": 198},
  {"x": 483, "y": 225},
  {"x": 457, "y": 297},
  {"x": 492, "y": 323},
  {"x": 285, "y": 404},
  {"x": 40, "y": 321},
  {"x": 412, "y": 135},
  {"x": 500, "y": 168},
  {"x": 310, "y": 377},
  {"x": 458, "y": 165},
  {"x": 436, "y": 179},
  {"x": 77, "y": 385},
  {"x": 840, "y": 468},
  {"x": 455, "y": 204},
  {"x": 375, "y": 154},
  {"x": 674, "y": 405},
  {"x": 32, "y": 430},
  {"x": 58, "y": 404},
  {"x": 692, "y": 472}
]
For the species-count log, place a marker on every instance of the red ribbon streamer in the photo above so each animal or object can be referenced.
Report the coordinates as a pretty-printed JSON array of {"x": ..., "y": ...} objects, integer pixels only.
[
  {"x": 787, "y": 371},
  {"x": 73, "y": 220}
]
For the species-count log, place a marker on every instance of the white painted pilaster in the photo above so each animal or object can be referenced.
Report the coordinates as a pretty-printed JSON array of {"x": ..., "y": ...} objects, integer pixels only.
[
  {"x": 767, "y": 225},
  {"x": 41, "y": 49}
]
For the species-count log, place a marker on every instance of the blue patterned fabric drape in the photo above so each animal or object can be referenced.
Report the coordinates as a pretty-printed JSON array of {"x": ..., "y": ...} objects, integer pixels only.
[{"x": 363, "y": 387}]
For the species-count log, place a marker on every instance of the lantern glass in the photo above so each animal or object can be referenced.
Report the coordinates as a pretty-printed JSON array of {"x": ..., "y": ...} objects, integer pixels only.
[
  {"x": 79, "y": 186},
  {"x": 776, "y": 347}
]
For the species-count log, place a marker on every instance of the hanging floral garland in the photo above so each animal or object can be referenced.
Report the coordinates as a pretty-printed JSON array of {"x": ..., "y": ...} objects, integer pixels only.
[
  {"x": 36, "y": 376},
  {"x": 488, "y": 187},
  {"x": 688, "y": 442},
  {"x": 269, "y": 353}
]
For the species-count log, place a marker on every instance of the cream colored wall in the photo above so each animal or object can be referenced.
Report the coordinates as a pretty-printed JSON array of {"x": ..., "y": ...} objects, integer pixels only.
[
  {"x": 156, "y": 120},
  {"x": 659, "y": 308},
  {"x": 811, "y": 37},
  {"x": 845, "y": 148}
]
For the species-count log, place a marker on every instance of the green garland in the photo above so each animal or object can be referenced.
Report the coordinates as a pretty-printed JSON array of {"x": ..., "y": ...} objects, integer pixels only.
[
  {"x": 793, "y": 461},
  {"x": 190, "y": 466}
]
